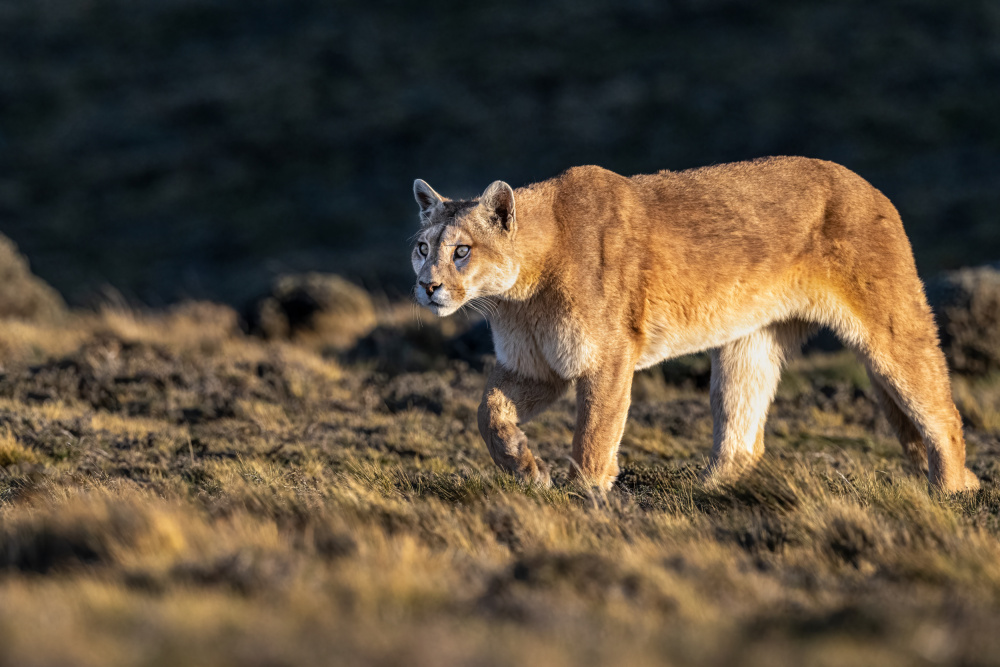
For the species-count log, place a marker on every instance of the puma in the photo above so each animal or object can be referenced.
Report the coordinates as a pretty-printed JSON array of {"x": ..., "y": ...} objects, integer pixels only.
[{"x": 589, "y": 276}]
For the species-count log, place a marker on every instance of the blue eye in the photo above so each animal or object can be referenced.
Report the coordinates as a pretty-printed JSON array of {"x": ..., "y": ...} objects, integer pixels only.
[
  {"x": 422, "y": 248},
  {"x": 462, "y": 251}
]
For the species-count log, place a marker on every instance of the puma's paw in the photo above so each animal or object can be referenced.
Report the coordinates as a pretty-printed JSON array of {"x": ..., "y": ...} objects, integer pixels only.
[
  {"x": 608, "y": 482},
  {"x": 536, "y": 473},
  {"x": 604, "y": 482},
  {"x": 719, "y": 474},
  {"x": 713, "y": 477},
  {"x": 965, "y": 481},
  {"x": 971, "y": 481}
]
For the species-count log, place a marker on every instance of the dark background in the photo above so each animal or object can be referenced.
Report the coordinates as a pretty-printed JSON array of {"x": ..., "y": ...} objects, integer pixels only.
[{"x": 196, "y": 148}]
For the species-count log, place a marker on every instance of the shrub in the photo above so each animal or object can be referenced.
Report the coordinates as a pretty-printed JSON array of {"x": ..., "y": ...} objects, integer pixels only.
[
  {"x": 23, "y": 295},
  {"x": 967, "y": 307},
  {"x": 322, "y": 307}
]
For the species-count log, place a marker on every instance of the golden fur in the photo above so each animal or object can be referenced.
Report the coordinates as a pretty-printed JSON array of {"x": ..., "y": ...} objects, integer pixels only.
[{"x": 590, "y": 275}]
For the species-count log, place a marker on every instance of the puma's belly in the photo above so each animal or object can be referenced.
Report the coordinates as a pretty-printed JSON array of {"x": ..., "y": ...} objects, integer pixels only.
[
  {"x": 557, "y": 343},
  {"x": 663, "y": 342},
  {"x": 668, "y": 335}
]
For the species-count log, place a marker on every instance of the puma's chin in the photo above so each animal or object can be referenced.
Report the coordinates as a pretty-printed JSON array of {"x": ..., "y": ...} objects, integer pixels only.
[{"x": 441, "y": 309}]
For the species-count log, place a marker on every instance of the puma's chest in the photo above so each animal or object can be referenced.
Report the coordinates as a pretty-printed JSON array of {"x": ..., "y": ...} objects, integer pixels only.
[{"x": 536, "y": 345}]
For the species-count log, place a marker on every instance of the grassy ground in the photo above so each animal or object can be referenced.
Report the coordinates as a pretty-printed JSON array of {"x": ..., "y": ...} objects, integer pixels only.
[{"x": 172, "y": 492}]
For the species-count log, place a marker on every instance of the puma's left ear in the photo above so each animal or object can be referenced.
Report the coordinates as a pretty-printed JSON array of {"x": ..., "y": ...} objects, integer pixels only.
[
  {"x": 425, "y": 196},
  {"x": 499, "y": 199}
]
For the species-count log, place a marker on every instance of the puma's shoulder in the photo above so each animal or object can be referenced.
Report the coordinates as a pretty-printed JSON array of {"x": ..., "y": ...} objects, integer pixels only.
[{"x": 589, "y": 184}]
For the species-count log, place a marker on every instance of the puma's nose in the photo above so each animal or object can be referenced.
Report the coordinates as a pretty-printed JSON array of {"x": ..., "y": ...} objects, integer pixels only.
[{"x": 429, "y": 287}]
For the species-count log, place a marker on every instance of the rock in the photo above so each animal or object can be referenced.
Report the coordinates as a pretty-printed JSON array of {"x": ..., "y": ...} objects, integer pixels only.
[
  {"x": 413, "y": 347},
  {"x": 966, "y": 304},
  {"x": 22, "y": 294},
  {"x": 406, "y": 348},
  {"x": 318, "y": 307}
]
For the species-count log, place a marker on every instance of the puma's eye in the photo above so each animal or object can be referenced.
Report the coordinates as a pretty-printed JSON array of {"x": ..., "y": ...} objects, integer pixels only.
[
  {"x": 422, "y": 248},
  {"x": 462, "y": 251}
]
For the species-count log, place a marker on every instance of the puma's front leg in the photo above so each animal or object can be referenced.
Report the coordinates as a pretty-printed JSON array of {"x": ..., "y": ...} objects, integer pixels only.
[
  {"x": 602, "y": 400},
  {"x": 510, "y": 400}
]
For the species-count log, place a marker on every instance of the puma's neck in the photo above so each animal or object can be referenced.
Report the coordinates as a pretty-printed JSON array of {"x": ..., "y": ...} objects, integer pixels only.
[{"x": 535, "y": 241}]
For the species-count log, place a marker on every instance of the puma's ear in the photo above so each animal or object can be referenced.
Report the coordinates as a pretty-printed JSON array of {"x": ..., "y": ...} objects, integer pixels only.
[
  {"x": 499, "y": 199},
  {"x": 425, "y": 196}
]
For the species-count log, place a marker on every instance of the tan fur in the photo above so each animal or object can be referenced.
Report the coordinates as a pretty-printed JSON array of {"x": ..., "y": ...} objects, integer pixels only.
[{"x": 589, "y": 276}]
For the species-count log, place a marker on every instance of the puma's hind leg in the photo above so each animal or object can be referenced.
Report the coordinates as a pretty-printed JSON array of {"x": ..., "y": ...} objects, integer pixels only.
[
  {"x": 911, "y": 380},
  {"x": 745, "y": 375},
  {"x": 891, "y": 327}
]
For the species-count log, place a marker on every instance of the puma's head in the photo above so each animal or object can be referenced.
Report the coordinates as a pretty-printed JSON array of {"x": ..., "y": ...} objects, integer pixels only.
[{"x": 464, "y": 249}]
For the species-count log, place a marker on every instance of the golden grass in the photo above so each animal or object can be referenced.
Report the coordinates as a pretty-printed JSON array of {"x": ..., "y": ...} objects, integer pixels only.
[
  {"x": 22, "y": 341},
  {"x": 12, "y": 451},
  {"x": 187, "y": 326},
  {"x": 251, "y": 503},
  {"x": 133, "y": 427},
  {"x": 56, "y": 410}
]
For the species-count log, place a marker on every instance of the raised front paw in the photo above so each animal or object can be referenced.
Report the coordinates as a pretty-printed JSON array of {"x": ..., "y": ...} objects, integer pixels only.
[{"x": 536, "y": 472}]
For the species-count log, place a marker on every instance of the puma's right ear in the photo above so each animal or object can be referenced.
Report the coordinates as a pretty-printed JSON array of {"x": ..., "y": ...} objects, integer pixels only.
[{"x": 425, "y": 196}]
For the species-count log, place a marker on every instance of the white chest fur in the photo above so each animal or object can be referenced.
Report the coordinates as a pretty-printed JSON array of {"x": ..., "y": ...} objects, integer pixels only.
[{"x": 538, "y": 347}]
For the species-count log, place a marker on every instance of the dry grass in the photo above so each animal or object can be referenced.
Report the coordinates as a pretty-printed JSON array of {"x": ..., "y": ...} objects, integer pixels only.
[
  {"x": 33, "y": 341},
  {"x": 174, "y": 493}
]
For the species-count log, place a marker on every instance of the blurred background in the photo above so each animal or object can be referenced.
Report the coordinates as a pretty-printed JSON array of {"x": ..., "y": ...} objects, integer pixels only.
[{"x": 198, "y": 148}]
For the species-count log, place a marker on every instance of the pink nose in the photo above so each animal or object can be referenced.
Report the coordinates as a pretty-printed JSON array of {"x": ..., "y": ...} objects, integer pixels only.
[{"x": 429, "y": 287}]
